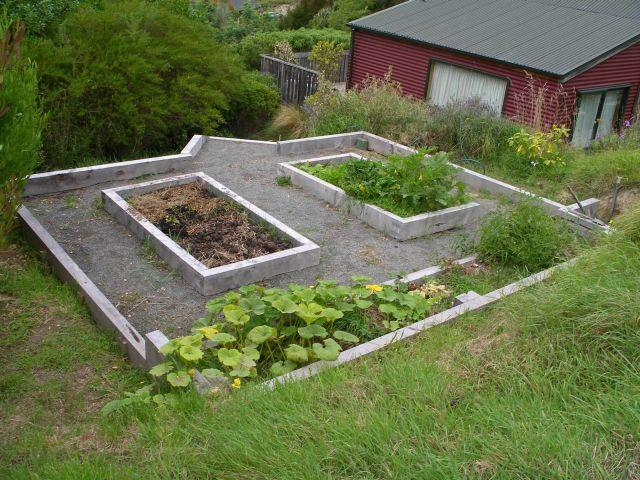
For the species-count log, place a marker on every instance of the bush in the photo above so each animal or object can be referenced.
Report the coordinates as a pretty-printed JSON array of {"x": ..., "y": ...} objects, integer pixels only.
[
  {"x": 346, "y": 10},
  {"x": 541, "y": 149},
  {"x": 41, "y": 16},
  {"x": 301, "y": 15},
  {"x": 134, "y": 79},
  {"x": 524, "y": 236},
  {"x": 404, "y": 185},
  {"x": 301, "y": 40},
  {"x": 20, "y": 125},
  {"x": 255, "y": 104}
]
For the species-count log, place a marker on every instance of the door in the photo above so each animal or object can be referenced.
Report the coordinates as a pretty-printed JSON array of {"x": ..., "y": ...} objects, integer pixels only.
[{"x": 598, "y": 115}]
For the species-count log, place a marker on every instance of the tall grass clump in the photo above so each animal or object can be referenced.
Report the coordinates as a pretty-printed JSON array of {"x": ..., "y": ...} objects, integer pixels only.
[
  {"x": 379, "y": 106},
  {"x": 470, "y": 129},
  {"x": 21, "y": 122},
  {"x": 524, "y": 236},
  {"x": 376, "y": 106}
]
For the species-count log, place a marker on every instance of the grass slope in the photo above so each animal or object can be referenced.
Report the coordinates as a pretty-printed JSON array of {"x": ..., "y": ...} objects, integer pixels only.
[{"x": 546, "y": 384}]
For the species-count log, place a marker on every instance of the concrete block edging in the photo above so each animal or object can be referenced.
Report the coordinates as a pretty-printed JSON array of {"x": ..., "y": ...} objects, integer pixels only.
[{"x": 210, "y": 281}]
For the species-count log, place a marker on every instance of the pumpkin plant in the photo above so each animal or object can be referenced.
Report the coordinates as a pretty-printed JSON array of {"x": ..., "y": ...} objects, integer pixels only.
[{"x": 258, "y": 332}]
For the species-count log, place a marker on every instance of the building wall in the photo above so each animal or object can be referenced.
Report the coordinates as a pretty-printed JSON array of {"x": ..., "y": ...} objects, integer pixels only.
[
  {"x": 374, "y": 53},
  {"x": 621, "y": 69}
]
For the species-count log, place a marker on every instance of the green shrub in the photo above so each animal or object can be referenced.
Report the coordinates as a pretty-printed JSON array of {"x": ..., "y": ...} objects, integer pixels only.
[
  {"x": 524, "y": 236},
  {"x": 256, "y": 102},
  {"x": 301, "y": 14},
  {"x": 326, "y": 56},
  {"x": 134, "y": 79},
  {"x": 20, "y": 125},
  {"x": 41, "y": 16},
  {"x": 301, "y": 40},
  {"x": 405, "y": 185},
  {"x": 344, "y": 11}
]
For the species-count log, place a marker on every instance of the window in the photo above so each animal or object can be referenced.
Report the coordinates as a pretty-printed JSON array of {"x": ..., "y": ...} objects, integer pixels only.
[
  {"x": 598, "y": 115},
  {"x": 451, "y": 84}
]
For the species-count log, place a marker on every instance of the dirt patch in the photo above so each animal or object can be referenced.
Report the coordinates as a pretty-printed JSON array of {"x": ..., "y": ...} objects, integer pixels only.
[{"x": 212, "y": 229}]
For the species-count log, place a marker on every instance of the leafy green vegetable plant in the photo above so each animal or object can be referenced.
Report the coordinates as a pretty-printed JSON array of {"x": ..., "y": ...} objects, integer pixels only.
[{"x": 405, "y": 185}]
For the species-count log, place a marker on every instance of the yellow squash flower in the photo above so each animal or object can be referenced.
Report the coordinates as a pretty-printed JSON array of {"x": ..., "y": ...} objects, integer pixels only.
[
  {"x": 236, "y": 383},
  {"x": 373, "y": 288}
]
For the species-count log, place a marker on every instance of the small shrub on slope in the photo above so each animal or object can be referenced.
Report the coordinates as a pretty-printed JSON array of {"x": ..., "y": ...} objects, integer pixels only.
[{"x": 524, "y": 236}]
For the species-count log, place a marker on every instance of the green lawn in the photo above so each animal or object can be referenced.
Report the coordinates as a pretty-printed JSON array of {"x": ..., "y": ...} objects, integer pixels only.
[{"x": 546, "y": 384}]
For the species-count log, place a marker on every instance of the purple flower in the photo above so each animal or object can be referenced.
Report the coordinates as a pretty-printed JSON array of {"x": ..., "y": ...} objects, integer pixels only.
[{"x": 627, "y": 123}]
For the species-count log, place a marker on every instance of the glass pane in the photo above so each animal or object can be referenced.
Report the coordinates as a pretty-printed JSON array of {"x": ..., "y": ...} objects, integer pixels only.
[
  {"x": 610, "y": 112},
  {"x": 586, "y": 119}
]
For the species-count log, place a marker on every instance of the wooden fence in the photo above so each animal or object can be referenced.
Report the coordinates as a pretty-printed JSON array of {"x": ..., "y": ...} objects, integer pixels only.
[
  {"x": 302, "y": 58},
  {"x": 294, "y": 82}
]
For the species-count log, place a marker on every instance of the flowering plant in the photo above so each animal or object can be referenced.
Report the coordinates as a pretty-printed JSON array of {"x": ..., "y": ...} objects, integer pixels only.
[{"x": 541, "y": 148}]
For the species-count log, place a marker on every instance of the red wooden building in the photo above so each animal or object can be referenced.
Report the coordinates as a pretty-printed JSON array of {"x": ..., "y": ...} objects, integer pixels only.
[{"x": 581, "y": 56}]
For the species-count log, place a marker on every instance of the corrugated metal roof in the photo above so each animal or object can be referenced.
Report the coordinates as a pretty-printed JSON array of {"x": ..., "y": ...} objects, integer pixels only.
[{"x": 557, "y": 37}]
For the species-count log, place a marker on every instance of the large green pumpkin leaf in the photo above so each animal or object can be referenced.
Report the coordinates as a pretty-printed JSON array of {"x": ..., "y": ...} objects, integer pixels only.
[
  {"x": 235, "y": 315},
  {"x": 230, "y": 358},
  {"x": 161, "y": 369},
  {"x": 312, "y": 330},
  {"x": 170, "y": 347},
  {"x": 282, "y": 368},
  {"x": 179, "y": 379},
  {"x": 190, "y": 353},
  {"x": 253, "y": 305},
  {"x": 261, "y": 334},
  {"x": 309, "y": 312},
  {"x": 194, "y": 340},
  {"x": 387, "y": 294},
  {"x": 251, "y": 353},
  {"x": 363, "y": 304},
  {"x": 329, "y": 351},
  {"x": 285, "y": 305},
  {"x": 296, "y": 353},
  {"x": 306, "y": 295},
  {"x": 345, "y": 336},
  {"x": 223, "y": 338},
  {"x": 331, "y": 314}
]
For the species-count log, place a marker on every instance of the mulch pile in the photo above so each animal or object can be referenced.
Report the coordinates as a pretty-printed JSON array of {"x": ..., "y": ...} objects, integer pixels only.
[{"x": 212, "y": 229}]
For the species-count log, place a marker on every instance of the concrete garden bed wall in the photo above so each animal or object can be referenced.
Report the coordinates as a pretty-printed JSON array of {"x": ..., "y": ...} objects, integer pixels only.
[
  {"x": 209, "y": 281},
  {"x": 400, "y": 228}
]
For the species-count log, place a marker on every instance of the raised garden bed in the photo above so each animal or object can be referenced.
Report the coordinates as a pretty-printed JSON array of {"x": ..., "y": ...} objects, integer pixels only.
[
  {"x": 392, "y": 224},
  {"x": 216, "y": 239}
]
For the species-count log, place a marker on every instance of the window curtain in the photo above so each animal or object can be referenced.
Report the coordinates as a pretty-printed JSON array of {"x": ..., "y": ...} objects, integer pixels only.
[
  {"x": 587, "y": 113},
  {"x": 451, "y": 84}
]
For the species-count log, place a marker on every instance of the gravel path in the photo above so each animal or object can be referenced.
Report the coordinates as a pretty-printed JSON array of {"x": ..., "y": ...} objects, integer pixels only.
[{"x": 152, "y": 297}]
